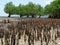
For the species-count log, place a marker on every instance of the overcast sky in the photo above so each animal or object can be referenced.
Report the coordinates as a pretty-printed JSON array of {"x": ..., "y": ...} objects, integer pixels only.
[{"x": 17, "y": 2}]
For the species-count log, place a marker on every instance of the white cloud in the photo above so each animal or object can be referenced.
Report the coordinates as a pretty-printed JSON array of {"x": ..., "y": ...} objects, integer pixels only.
[{"x": 48, "y": 1}]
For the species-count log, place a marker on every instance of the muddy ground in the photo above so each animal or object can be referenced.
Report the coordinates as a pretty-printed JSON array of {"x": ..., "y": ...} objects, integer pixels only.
[{"x": 29, "y": 31}]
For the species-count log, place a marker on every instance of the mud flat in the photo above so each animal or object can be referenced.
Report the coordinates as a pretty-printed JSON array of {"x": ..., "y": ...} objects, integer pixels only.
[{"x": 29, "y": 31}]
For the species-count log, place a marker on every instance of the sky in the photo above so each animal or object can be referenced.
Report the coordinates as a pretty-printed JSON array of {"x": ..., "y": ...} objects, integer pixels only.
[{"x": 17, "y": 2}]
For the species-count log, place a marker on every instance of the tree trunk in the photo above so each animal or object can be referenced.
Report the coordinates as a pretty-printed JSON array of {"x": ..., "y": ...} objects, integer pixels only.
[
  {"x": 27, "y": 16},
  {"x": 39, "y": 16},
  {"x": 49, "y": 17},
  {"x": 32, "y": 16},
  {"x": 20, "y": 15},
  {"x": 9, "y": 15}
]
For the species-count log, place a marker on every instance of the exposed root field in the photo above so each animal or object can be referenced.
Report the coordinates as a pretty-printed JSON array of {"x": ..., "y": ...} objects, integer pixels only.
[{"x": 29, "y": 31}]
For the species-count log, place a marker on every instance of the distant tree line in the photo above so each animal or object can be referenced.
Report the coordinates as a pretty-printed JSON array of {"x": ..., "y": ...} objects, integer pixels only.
[
  {"x": 52, "y": 9},
  {"x": 22, "y": 10}
]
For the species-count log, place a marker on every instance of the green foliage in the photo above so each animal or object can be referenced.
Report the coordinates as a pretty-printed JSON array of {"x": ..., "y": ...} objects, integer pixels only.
[
  {"x": 53, "y": 9},
  {"x": 38, "y": 9},
  {"x": 28, "y": 9},
  {"x": 9, "y": 8},
  {"x": 34, "y": 9}
]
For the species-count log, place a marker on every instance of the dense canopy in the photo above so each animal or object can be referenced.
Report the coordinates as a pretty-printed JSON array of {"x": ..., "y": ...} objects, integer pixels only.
[
  {"x": 52, "y": 9},
  {"x": 22, "y": 10}
]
